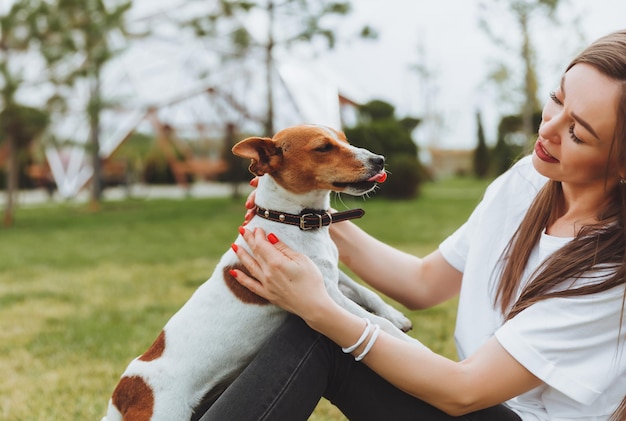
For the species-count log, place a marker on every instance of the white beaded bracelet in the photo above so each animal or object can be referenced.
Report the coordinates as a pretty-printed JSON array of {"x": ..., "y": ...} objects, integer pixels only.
[
  {"x": 366, "y": 332},
  {"x": 370, "y": 344}
]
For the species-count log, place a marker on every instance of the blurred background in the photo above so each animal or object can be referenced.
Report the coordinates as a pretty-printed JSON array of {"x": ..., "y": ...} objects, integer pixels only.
[
  {"x": 105, "y": 103},
  {"x": 102, "y": 93}
]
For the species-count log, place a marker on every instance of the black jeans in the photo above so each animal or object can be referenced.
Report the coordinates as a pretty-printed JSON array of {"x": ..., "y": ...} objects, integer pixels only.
[{"x": 298, "y": 366}]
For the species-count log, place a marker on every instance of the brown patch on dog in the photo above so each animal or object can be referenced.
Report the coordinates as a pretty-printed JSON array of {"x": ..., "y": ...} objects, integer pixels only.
[
  {"x": 156, "y": 349},
  {"x": 241, "y": 292},
  {"x": 134, "y": 399}
]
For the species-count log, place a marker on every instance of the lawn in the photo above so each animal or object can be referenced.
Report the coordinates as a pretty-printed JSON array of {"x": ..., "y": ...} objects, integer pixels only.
[{"x": 83, "y": 293}]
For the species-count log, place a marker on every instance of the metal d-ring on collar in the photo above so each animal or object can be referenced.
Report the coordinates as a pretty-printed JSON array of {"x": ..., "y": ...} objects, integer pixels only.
[{"x": 309, "y": 219}]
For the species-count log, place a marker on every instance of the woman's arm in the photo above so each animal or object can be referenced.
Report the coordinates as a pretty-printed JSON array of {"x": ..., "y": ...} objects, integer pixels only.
[
  {"x": 414, "y": 282},
  {"x": 293, "y": 282},
  {"x": 489, "y": 377}
]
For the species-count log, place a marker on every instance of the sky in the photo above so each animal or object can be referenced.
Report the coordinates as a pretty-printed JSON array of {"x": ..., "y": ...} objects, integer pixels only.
[
  {"x": 458, "y": 54},
  {"x": 442, "y": 35}
]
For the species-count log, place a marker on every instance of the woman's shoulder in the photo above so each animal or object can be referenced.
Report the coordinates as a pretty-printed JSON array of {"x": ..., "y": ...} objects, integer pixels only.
[
  {"x": 522, "y": 178},
  {"x": 524, "y": 171}
]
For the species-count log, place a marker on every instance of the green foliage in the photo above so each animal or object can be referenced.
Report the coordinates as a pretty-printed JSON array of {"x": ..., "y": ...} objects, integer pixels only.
[
  {"x": 377, "y": 110},
  {"x": 511, "y": 143},
  {"x": 297, "y": 21},
  {"x": 22, "y": 123},
  {"x": 405, "y": 179},
  {"x": 80, "y": 27},
  {"x": 381, "y": 132},
  {"x": 481, "y": 153}
]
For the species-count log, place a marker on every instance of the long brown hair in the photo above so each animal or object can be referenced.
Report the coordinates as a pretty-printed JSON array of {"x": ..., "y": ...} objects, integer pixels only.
[{"x": 603, "y": 243}]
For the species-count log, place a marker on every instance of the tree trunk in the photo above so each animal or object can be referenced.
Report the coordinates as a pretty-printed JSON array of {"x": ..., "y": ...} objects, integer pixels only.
[
  {"x": 269, "y": 65},
  {"x": 530, "y": 81},
  {"x": 12, "y": 181},
  {"x": 94, "y": 134}
]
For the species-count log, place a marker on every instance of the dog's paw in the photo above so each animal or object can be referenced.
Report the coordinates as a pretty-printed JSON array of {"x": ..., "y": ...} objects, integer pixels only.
[{"x": 398, "y": 319}]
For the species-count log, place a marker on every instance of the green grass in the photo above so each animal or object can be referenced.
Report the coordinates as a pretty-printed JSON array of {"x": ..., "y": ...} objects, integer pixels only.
[{"x": 82, "y": 293}]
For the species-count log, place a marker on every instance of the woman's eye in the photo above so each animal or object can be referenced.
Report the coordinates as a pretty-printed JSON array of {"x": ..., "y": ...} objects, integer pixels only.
[
  {"x": 575, "y": 138},
  {"x": 554, "y": 98}
]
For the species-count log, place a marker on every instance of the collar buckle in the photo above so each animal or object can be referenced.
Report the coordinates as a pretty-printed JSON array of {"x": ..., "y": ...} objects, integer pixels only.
[{"x": 303, "y": 222}]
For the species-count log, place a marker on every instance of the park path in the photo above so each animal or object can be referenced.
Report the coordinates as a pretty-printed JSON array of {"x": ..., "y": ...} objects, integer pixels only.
[{"x": 37, "y": 197}]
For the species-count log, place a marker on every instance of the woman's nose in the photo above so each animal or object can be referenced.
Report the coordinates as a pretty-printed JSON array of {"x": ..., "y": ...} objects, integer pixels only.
[{"x": 549, "y": 129}]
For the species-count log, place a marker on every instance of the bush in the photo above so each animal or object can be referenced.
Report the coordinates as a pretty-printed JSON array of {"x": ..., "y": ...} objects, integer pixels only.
[
  {"x": 381, "y": 132},
  {"x": 405, "y": 177}
]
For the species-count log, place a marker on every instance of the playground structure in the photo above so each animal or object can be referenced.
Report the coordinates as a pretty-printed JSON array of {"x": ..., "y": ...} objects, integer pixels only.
[{"x": 162, "y": 88}]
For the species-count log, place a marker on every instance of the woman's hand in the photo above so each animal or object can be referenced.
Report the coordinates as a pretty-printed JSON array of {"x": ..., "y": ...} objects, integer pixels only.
[
  {"x": 250, "y": 201},
  {"x": 282, "y": 276}
]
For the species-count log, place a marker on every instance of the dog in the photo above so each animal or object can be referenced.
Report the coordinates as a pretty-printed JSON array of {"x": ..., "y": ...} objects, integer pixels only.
[{"x": 211, "y": 339}]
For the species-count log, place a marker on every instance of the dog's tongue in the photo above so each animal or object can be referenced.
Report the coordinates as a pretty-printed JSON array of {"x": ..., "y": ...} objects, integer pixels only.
[{"x": 379, "y": 178}]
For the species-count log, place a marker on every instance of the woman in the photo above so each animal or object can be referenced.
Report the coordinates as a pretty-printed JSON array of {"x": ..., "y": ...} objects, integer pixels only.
[{"x": 540, "y": 271}]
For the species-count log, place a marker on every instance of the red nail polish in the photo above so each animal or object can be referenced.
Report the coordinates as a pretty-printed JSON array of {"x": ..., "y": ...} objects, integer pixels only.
[
  {"x": 272, "y": 238},
  {"x": 233, "y": 273},
  {"x": 234, "y": 247},
  {"x": 242, "y": 230}
]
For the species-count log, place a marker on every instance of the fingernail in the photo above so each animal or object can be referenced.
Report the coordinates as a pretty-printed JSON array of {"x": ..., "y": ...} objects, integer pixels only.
[
  {"x": 249, "y": 204},
  {"x": 233, "y": 273},
  {"x": 234, "y": 247},
  {"x": 272, "y": 238},
  {"x": 242, "y": 230}
]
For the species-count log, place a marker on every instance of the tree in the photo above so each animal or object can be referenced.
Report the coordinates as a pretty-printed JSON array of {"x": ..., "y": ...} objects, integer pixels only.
[
  {"x": 481, "y": 153},
  {"x": 523, "y": 13},
  {"x": 511, "y": 143},
  {"x": 18, "y": 124},
  {"x": 77, "y": 46},
  {"x": 289, "y": 22}
]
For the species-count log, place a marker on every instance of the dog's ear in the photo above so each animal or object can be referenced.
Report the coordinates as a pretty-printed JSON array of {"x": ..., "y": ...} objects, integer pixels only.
[{"x": 265, "y": 155}]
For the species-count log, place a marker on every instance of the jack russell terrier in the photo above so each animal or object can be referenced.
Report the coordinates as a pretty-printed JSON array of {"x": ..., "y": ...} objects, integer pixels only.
[{"x": 207, "y": 343}]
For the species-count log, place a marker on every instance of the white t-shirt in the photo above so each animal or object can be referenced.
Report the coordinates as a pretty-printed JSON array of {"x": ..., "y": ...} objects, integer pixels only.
[{"x": 570, "y": 343}]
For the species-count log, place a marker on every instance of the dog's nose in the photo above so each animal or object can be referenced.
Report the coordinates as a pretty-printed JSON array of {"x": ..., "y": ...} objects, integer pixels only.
[{"x": 378, "y": 161}]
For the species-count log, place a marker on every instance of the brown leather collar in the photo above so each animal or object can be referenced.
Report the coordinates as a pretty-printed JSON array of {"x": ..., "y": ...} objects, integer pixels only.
[{"x": 309, "y": 219}]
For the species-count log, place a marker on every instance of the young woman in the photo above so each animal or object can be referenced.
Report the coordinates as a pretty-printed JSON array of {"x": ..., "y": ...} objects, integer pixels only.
[{"x": 540, "y": 269}]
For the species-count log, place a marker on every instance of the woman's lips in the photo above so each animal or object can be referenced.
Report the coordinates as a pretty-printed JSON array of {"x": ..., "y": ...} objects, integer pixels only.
[{"x": 543, "y": 154}]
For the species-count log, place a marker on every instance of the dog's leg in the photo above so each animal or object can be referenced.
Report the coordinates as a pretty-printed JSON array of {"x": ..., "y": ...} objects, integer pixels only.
[
  {"x": 372, "y": 302},
  {"x": 356, "y": 309},
  {"x": 384, "y": 324}
]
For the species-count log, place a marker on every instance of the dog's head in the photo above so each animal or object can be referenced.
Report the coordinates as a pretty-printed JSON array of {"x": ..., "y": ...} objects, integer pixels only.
[{"x": 308, "y": 157}]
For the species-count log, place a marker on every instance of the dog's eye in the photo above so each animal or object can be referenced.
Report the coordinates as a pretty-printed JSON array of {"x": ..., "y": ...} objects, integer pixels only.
[{"x": 326, "y": 147}]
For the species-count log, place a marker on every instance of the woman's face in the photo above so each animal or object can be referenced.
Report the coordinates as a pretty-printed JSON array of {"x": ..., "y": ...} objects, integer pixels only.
[{"x": 577, "y": 130}]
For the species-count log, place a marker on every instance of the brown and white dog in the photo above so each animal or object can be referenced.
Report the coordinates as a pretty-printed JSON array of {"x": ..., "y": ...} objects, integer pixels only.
[{"x": 207, "y": 343}]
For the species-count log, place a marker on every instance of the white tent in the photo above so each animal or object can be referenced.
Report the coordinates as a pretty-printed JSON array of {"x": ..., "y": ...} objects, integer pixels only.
[{"x": 185, "y": 83}]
